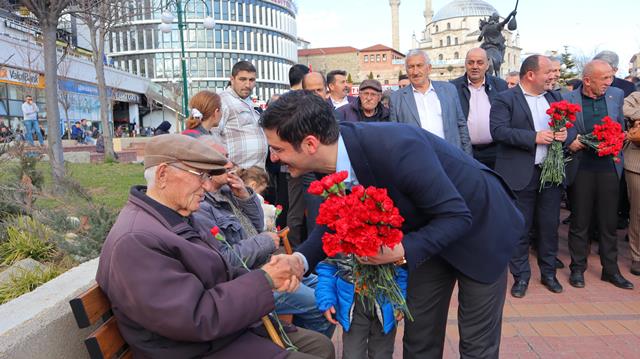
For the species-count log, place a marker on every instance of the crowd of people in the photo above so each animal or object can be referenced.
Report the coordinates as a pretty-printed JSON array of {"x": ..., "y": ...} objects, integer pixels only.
[{"x": 462, "y": 162}]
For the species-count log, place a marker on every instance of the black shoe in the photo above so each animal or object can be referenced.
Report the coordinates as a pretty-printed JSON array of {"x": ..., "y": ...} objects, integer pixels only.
[
  {"x": 576, "y": 279},
  {"x": 559, "y": 264},
  {"x": 618, "y": 280},
  {"x": 519, "y": 288},
  {"x": 552, "y": 284}
]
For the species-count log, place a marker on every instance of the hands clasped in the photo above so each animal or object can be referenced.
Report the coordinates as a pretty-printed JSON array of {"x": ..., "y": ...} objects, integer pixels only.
[
  {"x": 545, "y": 137},
  {"x": 285, "y": 271}
]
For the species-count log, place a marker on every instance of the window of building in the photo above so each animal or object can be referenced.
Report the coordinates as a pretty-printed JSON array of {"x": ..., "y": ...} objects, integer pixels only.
[
  {"x": 440, "y": 42},
  {"x": 440, "y": 57},
  {"x": 366, "y": 58},
  {"x": 384, "y": 57},
  {"x": 456, "y": 55},
  {"x": 448, "y": 26},
  {"x": 436, "y": 28},
  {"x": 378, "y": 58},
  {"x": 448, "y": 40}
]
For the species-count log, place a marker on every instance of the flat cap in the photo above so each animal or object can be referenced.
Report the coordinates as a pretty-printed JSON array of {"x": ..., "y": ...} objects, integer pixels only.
[
  {"x": 371, "y": 84},
  {"x": 173, "y": 148}
]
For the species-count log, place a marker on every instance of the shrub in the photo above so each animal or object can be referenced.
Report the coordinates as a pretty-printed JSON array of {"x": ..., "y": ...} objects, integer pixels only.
[
  {"x": 26, "y": 238},
  {"x": 27, "y": 280}
]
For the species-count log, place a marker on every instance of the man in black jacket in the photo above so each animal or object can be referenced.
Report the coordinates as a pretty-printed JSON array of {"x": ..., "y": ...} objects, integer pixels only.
[{"x": 476, "y": 91}]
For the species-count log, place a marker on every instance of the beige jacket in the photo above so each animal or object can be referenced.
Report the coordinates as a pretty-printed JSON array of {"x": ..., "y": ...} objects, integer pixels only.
[{"x": 631, "y": 110}]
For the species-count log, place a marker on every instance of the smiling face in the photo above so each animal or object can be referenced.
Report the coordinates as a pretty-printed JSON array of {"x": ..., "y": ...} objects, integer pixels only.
[
  {"x": 180, "y": 189},
  {"x": 299, "y": 161},
  {"x": 476, "y": 64},
  {"x": 243, "y": 83}
]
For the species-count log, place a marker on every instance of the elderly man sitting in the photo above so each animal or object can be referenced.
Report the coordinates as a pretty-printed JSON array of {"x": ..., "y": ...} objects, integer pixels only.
[
  {"x": 236, "y": 210},
  {"x": 172, "y": 292}
]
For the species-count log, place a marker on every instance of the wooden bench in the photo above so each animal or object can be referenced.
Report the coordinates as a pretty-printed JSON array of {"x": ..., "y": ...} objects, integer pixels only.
[{"x": 105, "y": 342}]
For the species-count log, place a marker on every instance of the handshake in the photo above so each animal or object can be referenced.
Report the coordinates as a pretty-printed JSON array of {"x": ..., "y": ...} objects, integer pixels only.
[{"x": 286, "y": 271}]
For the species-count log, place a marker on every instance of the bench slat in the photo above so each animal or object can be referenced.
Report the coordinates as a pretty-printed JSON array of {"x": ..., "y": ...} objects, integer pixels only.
[
  {"x": 90, "y": 306},
  {"x": 106, "y": 341}
]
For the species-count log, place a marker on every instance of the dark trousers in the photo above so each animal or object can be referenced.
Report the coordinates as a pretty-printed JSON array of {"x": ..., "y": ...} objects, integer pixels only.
[
  {"x": 310, "y": 345},
  {"x": 295, "y": 215},
  {"x": 365, "y": 338},
  {"x": 485, "y": 154},
  {"x": 589, "y": 191},
  {"x": 543, "y": 209},
  {"x": 479, "y": 312}
]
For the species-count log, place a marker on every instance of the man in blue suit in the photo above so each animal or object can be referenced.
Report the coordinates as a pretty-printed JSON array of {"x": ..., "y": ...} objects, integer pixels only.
[
  {"x": 461, "y": 222},
  {"x": 520, "y": 126},
  {"x": 431, "y": 105},
  {"x": 594, "y": 180}
]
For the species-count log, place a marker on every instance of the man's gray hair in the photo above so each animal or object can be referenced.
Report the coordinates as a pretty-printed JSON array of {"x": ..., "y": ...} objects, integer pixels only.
[
  {"x": 513, "y": 74},
  {"x": 609, "y": 57},
  {"x": 554, "y": 59},
  {"x": 418, "y": 52},
  {"x": 150, "y": 176}
]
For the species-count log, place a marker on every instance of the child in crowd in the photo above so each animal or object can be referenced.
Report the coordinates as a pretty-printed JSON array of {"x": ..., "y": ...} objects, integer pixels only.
[
  {"x": 257, "y": 179},
  {"x": 367, "y": 333}
]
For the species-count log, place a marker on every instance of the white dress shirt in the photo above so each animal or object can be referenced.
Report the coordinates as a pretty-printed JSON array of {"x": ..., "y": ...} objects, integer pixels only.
[
  {"x": 338, "y": 104},
  {"x": 538, "y": 105},
  {"x": 429, "y": 110}
]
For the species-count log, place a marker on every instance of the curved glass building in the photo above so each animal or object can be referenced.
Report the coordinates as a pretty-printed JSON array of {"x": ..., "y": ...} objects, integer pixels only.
[{"x": 263, "y": 32}]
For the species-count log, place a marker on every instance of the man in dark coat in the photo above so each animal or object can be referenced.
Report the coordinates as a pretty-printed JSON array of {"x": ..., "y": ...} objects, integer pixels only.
[
  {"x": 172, "y": 293},
  {"x": 476, "y": 91},
  {"x": 367, "y": 107},
  {"x": 520, "y": 127},
  {"x": 461, "y": 222}
]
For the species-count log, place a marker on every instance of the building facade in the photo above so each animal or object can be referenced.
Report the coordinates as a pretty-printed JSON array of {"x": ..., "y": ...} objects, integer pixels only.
[
  {"x": 454, "y": 30},
  {"x": 634, "y": 65},
  {"x": 380, "y": 62},
  {"x": 262, "y": 32},
  {"x": 22, "y": 74}
]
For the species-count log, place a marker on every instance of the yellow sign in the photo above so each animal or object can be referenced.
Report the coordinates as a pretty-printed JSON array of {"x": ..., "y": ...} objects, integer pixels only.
[{"x": 21, "y": 77}]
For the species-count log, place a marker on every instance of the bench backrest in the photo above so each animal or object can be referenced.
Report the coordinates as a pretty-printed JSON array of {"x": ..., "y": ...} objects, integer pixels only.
[{"x": 106, "y": 341}]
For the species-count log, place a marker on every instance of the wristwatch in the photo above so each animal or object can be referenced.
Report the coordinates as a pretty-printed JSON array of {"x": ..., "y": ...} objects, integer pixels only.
[{"x": 401, "y": 261}]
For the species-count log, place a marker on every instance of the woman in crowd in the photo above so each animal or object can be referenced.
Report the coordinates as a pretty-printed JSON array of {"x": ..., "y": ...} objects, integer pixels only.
[{"x": 205, "y": 113}]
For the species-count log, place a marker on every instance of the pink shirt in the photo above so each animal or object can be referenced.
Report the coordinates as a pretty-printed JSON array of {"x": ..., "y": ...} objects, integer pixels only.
[{"x": 478, "y": 120}]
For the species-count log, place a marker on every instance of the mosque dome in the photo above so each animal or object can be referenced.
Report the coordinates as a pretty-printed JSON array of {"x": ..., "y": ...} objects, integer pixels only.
[{"x": 463, "y": 8}]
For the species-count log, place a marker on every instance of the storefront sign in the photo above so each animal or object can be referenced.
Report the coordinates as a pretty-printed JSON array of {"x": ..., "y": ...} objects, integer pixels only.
[
  {"x": 21, "y": 77},
  {"x": 124, "y": 96}
]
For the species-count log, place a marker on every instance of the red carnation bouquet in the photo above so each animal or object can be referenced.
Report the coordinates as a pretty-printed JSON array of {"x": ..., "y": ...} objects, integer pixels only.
[
  {"x": 359, "y": 224},
  {"x": 606, "y": 139},
  {"x": 563, "y": 114}
]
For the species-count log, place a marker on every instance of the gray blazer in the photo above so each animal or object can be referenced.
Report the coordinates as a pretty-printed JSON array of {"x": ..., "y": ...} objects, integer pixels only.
[
  {"x": 614, "y": 98},
  {"x": 403, "y": 109}
]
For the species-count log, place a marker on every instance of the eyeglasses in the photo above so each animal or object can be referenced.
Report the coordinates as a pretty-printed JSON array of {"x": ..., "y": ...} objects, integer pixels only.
[{"x": 204, "y": 176}]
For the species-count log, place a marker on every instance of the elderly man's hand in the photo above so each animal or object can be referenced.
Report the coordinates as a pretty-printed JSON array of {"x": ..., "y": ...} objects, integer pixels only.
[{"x": 285, "y": 272}]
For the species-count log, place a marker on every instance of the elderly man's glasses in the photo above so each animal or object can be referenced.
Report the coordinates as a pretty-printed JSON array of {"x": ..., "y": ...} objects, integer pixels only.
[{"x": 204, "y": 176}]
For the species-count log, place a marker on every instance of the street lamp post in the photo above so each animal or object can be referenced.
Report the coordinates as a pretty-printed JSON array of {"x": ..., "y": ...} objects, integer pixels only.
[{"x": 166, "y": 27}]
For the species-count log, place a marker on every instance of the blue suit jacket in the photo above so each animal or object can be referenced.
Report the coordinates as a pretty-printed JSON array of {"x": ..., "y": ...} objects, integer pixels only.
[
  {"x": 614, "y": 98},
  {"x": 513, "y": 130},
  {"x": 403, "y": 109},
  {"x": 454, "y": 207}
]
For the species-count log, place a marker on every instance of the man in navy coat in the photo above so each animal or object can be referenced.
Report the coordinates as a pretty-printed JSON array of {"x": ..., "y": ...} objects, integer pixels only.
[{"x": 461, "y": 222}]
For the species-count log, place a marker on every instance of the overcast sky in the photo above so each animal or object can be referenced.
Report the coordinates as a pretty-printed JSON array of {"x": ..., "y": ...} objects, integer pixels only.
[{"x": 586, "y": 26}]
